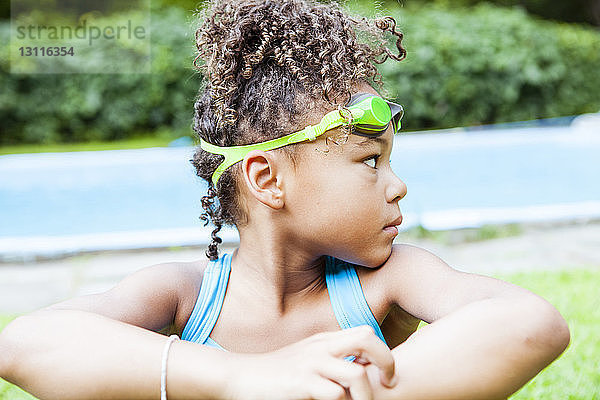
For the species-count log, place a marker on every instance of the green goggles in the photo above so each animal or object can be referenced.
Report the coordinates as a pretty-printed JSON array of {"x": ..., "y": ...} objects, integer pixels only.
[{"x": 368, "y": 114}]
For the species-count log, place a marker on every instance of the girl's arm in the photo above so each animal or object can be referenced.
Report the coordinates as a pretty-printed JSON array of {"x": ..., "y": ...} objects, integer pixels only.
[
  {"x": 71, "y": 354},
  {"x": 105, "y": 346},
  {"x": 486, "y": 338}
]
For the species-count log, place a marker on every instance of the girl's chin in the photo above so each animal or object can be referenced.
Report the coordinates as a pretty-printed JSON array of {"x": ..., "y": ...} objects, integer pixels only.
[
  {"x": 377, "y": 259},
  {"x": 372, "y": 256}
]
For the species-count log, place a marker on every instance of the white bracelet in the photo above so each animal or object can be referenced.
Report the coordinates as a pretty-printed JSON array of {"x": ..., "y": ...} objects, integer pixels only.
[{"x": 163, "y": 370}]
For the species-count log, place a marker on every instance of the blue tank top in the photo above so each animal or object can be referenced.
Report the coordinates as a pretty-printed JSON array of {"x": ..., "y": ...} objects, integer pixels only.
[{"x": 345, "y": 293}]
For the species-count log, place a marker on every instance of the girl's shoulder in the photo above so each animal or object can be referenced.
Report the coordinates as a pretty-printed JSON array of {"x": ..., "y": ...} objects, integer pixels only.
[
  {"x": 409, "y": 272},
  {"x": 384, "y": 280},
  {"x": 168, "y": 289},
  {"x": 424, "y": 286},
  {"x": 158, "y": 298},
  {"x": 406, "y": 289},
  {"x": 187, "y": 282},
  {"x": 382, "y": 292}
]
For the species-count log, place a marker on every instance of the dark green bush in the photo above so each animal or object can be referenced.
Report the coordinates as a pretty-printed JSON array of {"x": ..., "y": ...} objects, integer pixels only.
[
  {"x": 464, "y": 67},
  {"x": 46, "y": 108},
  {"x": 487, "y": 65},
  {"x": 587, "y": 11}
]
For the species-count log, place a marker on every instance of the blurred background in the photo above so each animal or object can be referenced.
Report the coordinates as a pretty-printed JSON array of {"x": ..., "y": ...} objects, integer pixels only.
[
  {"x": 500, "y": 155},
  {"x": 470, "y": 63}
]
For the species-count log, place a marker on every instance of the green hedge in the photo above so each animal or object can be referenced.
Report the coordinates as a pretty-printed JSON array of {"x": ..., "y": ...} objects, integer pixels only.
[
  {"x": 488, "y": 65},
  {"x": 464, "y": 67},
  {"x": 568, "y": 11},
  {"x": 48, "y": 108}
]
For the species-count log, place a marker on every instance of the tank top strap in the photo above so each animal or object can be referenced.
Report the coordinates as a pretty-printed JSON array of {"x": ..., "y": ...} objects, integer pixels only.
[
  {"x": 347, "y": 298},
  {"x": 209, "y": 302}
]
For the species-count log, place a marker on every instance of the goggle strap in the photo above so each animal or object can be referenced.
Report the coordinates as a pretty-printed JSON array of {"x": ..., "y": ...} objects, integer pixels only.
[{"x": 331, "y": 120}]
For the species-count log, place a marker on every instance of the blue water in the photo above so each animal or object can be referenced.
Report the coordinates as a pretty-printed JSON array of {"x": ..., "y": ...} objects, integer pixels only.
[
  {"x": 139, "y": 190},
  {"x": 86, "y": 192},
  {"x": 502, "y": 169}
]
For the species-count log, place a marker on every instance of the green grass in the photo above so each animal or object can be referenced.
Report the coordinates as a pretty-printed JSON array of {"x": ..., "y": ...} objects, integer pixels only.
[
  {"x": 137, "y": 143},
  {"x": 574, "y": 376},
  {"x": 449, "y": 237}
]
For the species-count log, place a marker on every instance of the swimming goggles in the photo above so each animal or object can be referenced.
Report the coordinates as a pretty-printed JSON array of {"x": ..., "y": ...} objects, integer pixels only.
[{"x": 368, "y": 114}]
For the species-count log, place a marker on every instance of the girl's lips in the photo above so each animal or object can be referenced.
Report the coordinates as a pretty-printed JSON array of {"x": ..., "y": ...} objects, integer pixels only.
[
  {"x": 395, "y": 222},
  {"x": 391, "y": 229}
]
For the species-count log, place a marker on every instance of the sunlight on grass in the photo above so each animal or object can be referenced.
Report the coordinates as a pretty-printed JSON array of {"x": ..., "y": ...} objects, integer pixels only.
[
  {"x": 137, "y": 143},
  {"x": 449, "y": 237},
  {"x": 576, "y": 374}
]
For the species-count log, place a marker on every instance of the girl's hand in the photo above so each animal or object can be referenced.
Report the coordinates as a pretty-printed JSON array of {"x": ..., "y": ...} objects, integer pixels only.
[{"x": 314, "y": 368}]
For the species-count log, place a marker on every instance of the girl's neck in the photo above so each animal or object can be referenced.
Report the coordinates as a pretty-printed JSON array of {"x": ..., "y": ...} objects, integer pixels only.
[{"x": 279, "y": 272}]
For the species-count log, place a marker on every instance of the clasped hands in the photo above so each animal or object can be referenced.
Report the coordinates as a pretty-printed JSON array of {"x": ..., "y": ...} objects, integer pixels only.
[{"x": 314, "y": 368}]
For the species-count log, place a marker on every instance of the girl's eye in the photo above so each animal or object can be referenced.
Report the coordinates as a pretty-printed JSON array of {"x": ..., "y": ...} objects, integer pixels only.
[{"x": 372, "y": 161}]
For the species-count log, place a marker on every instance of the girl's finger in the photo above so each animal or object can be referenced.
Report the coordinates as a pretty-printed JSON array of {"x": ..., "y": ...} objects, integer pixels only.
[
  {"x": 366, "y": 346},
  {"x": 349, "y": 375},
  {"x": 324, "y": 389}
]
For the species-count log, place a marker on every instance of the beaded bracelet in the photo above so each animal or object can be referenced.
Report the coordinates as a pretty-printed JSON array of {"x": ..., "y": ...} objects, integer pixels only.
[{"x": 163, "y": 370}]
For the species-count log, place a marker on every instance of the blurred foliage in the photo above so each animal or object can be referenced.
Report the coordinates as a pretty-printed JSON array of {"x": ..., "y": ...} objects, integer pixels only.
[
  {"x": 78, "y": 6},
  {"x": 93, "y": 52},
  {"x": 188, "y": 5},
  {"x": 587, "y": 11},
  {"x": 488, "y": 64},
  {"x": 48, "y": 108},
  {"x": 73, "y": 7},
  {"x": 465, "y": 67},
  {"x": 465, "y": 235},
  {"x": 569, "y": 11},
  {"x": 4, "y": 10}
]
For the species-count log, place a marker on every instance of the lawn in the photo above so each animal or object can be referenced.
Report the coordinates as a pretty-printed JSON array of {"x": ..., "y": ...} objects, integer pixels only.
[
  {"x": 574, "y": 376},
  {"x": 134, "y": 143}
]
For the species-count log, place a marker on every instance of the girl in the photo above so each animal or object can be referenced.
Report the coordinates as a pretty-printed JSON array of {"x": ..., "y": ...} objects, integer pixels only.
[{"x": 295, "y": 145}]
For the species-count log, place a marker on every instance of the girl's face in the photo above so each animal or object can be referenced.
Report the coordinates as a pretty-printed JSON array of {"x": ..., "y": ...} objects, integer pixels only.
[{"x": 343, "y": 199}]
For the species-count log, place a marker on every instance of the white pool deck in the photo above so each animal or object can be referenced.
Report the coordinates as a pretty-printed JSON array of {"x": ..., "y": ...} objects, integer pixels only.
[{"x": 25, "y": 287}]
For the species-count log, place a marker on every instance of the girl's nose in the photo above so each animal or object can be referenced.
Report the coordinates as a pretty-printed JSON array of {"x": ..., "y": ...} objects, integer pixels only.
[{"x": 396, "y": 189}]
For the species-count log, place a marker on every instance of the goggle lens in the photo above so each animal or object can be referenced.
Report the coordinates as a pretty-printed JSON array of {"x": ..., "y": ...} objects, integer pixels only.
[{"x": 375, "y": 114}]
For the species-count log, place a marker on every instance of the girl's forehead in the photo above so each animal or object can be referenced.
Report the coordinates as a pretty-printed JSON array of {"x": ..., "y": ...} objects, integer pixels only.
[
  {"x": 360, "y": 142},
  {"x": 335, "y": 143},
  {"x": 383, "y": 141}
]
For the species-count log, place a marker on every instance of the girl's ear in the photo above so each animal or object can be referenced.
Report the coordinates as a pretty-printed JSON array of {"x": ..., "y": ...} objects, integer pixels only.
[{"x": 262, "y": 177}]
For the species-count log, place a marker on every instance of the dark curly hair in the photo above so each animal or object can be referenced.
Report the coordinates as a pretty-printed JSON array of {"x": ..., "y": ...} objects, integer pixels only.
[{"x": 263, "y": 61}]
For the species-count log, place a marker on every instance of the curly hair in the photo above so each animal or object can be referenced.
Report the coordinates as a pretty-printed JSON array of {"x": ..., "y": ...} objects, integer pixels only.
[{"x": 263, "y": 61}]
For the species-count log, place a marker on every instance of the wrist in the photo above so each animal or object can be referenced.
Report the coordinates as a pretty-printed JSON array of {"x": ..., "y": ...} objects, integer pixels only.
[
  {"x": 243, "y": 373},
  {"x": 200, "y": 372}
]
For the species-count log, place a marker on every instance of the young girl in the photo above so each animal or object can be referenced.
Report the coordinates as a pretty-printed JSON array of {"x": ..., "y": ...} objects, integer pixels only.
[{"x": 295, "y": 145}]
